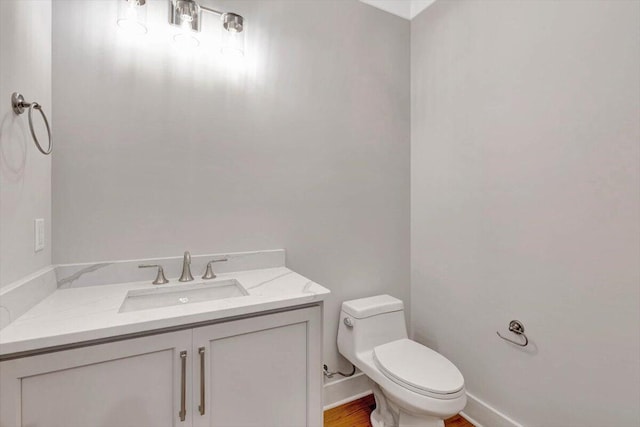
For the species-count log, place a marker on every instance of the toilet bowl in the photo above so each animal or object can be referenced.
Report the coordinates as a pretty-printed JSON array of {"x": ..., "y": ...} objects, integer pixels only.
[{"x": 412, "y": 384}]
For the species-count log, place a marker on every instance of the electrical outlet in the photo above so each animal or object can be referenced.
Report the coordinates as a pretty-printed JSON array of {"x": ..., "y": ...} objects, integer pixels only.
[{"x": 38, "y": 234}]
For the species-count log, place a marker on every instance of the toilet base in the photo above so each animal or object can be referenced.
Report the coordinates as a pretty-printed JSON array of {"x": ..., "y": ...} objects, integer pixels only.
[
  {"x": 383, "y": 415},
  {"x": 388, "y": 414}
]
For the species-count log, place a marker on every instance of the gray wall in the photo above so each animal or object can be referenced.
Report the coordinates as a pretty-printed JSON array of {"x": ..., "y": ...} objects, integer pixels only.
[
  {"x": 525, "y": 202},
  {"x": 25, "y": 174},
  {"x": 305, "y": 148}
]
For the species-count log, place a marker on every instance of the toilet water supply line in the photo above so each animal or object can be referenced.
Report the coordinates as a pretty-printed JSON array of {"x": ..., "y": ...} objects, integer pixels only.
[{"x": 329, "y": 374}]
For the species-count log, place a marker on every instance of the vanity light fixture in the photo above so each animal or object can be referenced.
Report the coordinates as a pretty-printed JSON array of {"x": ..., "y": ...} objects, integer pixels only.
[
  {"x": 132, "y": 16},
  {"x": 187, "y": 14},
  {"x": 233, "y": 36}
]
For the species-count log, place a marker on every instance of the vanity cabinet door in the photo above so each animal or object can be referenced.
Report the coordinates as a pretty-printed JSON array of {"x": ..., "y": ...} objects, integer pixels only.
[
  {"x": 262, "y": 371},
  {"x": 136, "y": 382}
]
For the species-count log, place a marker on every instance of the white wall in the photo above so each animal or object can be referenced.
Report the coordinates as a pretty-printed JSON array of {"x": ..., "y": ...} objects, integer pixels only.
[
  {"x": 526, "y": 203},
  {"x": 25, "y": 174},
  {"x": 305, "y": 148}
]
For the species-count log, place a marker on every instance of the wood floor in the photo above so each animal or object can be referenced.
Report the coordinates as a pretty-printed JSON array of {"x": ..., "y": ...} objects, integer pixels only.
[{"x": 356, "y": 414}]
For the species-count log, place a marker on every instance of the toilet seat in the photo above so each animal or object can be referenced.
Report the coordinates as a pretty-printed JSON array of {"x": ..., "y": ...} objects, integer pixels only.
[{"x": 419, "y": 369}]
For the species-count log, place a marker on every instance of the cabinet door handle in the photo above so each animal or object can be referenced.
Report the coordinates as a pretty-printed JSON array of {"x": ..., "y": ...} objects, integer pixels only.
[
  {"x": 201, "y": 407},
  {"x": 183, "y": 386}
]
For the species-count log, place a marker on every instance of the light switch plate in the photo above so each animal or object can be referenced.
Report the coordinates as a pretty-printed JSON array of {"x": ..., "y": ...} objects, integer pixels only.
[{"x": 38, "y": 234}]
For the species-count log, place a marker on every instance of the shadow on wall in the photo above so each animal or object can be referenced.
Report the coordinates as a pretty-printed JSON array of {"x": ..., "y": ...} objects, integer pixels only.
[{"x": 13, "y": 147}]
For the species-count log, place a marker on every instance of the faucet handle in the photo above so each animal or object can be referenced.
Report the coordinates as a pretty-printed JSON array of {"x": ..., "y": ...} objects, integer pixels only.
[
  {"x": 160, "y": 279},
  {"x": 209, "y": 274}
]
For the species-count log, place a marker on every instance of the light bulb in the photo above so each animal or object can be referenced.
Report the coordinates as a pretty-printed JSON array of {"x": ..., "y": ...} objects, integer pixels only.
[{"x": 132, "y": 16}]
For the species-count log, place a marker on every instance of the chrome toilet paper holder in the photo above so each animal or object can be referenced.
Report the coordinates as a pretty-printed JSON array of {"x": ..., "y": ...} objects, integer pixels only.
[{"x": 517, "y": 328}]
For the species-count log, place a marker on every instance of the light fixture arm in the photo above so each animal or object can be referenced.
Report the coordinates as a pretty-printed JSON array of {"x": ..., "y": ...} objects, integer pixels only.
[{"x": 212, "y": 11}]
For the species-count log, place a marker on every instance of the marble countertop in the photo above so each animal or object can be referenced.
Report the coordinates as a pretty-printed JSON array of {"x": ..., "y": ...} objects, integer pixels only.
[{"x": 73, "y": 315}]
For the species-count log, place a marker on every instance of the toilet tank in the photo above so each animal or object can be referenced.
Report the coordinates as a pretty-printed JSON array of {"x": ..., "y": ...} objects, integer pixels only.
[{"x": 369, "y": 322}]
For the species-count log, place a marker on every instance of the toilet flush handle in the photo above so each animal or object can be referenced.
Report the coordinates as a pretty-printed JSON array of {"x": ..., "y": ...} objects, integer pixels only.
[{"x": 348, "y": 323}]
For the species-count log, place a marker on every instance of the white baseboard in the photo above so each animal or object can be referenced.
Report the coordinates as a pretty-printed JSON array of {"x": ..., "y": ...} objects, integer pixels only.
[
  {"x": 345, "y": 390},
  {"x": 477, "y": 412},
  {"x": 481, "y": 414}
]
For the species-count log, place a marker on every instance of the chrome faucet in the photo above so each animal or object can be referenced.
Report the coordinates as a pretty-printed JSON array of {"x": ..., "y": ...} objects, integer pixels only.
[
  {"x": 160, "y": 279},
  {"x": 209, "y": 274},
  {"x": 186, "y": 268}
]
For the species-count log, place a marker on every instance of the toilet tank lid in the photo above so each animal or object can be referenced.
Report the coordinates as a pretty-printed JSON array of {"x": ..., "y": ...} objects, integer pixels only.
[{"x": 367, "y": 307}]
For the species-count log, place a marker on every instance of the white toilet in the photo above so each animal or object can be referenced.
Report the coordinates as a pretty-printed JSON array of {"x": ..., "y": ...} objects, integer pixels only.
[{"x": 412, "y": 384}]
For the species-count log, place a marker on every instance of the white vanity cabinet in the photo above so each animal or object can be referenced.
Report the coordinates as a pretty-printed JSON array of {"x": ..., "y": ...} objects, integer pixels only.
[
  {"x": 262, "y": 371},
  {"x": 258, "y": 371},
  {"x": 134, "y": 382}
]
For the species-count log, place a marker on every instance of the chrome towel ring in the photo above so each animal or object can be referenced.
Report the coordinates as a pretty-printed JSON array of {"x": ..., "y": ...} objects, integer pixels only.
[
  {"x": 19, "y": 104},
  {"x": 517, "y": 328}
]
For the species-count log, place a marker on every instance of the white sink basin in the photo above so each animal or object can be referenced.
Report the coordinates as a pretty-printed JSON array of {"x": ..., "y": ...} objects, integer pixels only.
[{"x": 145, "y": 299}]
